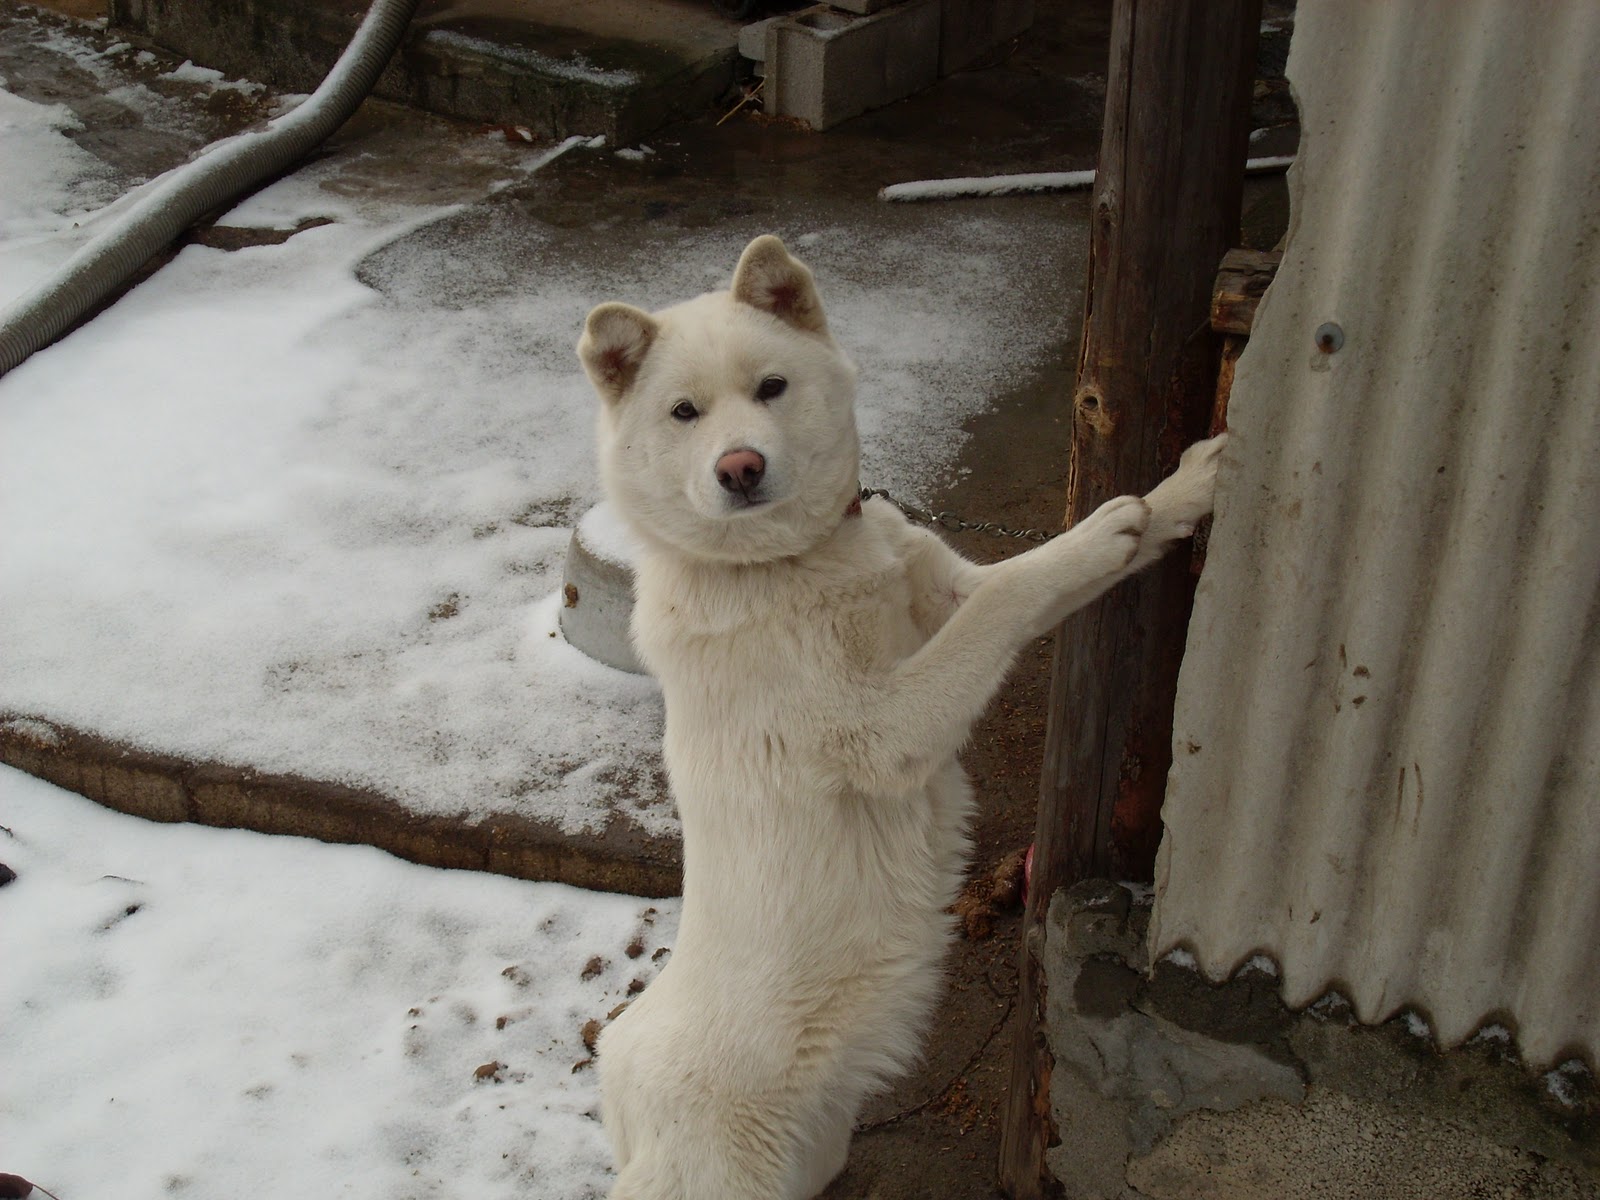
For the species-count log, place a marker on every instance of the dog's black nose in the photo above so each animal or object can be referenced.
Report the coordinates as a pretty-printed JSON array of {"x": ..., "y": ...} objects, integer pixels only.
[{"x": 740, "y": 470}]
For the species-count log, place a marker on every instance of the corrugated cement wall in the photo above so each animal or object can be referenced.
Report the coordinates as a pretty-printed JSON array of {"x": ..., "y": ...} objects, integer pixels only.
[{"x": 1387, "y": 749}]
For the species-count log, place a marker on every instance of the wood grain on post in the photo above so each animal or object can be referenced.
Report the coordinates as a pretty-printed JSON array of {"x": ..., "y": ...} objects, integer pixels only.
[
  {"x": 1165, "y": 209},
  {"x": 1241, "y": 282}
]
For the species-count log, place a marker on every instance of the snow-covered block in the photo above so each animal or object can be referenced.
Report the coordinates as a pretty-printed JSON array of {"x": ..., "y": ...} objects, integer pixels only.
[
  {"x": 970, "y": 29},
  {"x": 825, "y": 66}
]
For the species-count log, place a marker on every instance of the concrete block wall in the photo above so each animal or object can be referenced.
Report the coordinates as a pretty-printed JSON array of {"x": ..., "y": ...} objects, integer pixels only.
[
  {"x": 831, "y": 62},
  {"x": 825, "y": 66}
]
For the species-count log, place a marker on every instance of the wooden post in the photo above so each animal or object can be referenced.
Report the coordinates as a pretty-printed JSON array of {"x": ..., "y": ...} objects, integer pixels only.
[{"x": 1165, "y": 209}]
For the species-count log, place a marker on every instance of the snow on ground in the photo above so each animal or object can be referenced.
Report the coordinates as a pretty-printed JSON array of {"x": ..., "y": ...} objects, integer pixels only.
[
  {"x": 214, "y": 1013},
  {"x": 966, "y": 187},
  {"x": 990, "y": 185},
  {"x": 303, "y": 507},
  {"x": 53, "y": 184}
]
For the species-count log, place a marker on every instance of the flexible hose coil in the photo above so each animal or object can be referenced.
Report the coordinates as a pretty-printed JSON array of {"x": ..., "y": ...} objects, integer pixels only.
[{"x": 220, "y": 174}]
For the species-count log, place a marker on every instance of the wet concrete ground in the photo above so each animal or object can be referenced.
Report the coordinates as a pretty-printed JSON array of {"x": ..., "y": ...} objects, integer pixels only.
[{"x": 1037, "y": 107}]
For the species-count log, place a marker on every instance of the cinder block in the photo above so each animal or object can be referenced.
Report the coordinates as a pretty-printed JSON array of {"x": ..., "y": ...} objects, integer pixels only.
[
  {"x": 972, "y": 28},
  {"x": 753, "y": 39},
  {"x": 825, "y": 66}
]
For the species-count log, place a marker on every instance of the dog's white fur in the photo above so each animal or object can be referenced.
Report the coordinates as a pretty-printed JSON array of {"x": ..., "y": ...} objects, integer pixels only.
[{"x": 820, "y": 672}]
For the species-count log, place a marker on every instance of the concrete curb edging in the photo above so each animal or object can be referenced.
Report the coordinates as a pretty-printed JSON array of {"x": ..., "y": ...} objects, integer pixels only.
[{"x": 160, "y": 787}]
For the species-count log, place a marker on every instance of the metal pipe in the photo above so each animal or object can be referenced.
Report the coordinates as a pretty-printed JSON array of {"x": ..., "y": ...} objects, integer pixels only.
[{"x": 219, "y": 175}]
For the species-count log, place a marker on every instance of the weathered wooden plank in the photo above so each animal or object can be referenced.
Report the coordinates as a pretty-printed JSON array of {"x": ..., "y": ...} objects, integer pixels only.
[{"x": 1241, "y": 282}]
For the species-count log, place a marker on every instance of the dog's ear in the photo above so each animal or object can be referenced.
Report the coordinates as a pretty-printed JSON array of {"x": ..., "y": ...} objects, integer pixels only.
[
  {"x": 616, "y": 337},
  {"x": 768, "y": 277}
]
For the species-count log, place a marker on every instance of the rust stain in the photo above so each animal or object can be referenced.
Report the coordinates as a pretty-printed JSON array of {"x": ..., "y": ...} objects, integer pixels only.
[{"x": 1416, "y": 820}]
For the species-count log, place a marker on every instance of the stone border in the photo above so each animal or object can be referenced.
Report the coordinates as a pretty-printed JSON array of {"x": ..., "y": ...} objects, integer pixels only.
[{"x": 161, "y": 787}]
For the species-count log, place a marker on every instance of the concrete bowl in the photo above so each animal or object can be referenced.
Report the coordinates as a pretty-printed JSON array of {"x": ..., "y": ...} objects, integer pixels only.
[{"x": 597, "y": 589}]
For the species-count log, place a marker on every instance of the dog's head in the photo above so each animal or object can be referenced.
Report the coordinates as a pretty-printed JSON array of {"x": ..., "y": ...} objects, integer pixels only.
[{"x": 727, "y": 423}]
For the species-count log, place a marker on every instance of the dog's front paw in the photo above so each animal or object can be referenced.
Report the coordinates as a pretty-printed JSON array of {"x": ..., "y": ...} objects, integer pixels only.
[
  {"x": 1107, "y": 539},
  {"x": 1184, "y": 498}
]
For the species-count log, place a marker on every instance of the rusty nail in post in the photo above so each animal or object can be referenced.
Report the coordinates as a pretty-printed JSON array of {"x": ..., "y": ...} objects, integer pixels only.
[{"x": 1329, "y": 337}]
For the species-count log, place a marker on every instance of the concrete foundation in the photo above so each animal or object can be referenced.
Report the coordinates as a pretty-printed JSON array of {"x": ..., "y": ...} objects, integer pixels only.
[
  {"x": 1168, "y": 1087},
  {"x": 553, "y": 67}
]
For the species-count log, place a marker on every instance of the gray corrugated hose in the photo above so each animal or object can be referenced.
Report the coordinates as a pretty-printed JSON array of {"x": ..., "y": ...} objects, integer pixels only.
[{"x": 220, "y": 174}]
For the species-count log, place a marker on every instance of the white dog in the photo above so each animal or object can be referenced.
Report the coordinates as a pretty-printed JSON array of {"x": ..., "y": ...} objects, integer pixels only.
[{"x": 822, "y": 662}]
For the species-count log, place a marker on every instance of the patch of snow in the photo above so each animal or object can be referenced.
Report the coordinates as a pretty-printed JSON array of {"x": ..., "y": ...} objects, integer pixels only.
[
  {"x": 1416, "y": 1026},
  {"x": 608, "y": 536},
  {"x": 992, "y": 185},
  {"x": 40, "y": 733},
  {"x": 161, "y": 110},
  {"x": 221, "y": 1013},
  {"x": 1181, "y": 958},
  {"x": 1262, "y": 964},
  {"x": 47, "y": 177},
  {"x": 187, "y": 72},
  {"x": 1331, "y": 1005},
  {"x": 285, "y": 103},
  {"x": 48, "y": 187},
  {"x": 968, "y": 187},
  {"x": 1563, "y": 1082},
  {"x": 577, "y": 68},
  {"x": 1142, "y": 893},
  {"x": 1269, "y": 164},
  {"x": 1492, "y": 1033}
]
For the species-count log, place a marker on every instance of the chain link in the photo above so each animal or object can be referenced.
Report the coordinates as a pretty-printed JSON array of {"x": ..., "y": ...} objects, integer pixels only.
[{"x": 954, "y": 524}]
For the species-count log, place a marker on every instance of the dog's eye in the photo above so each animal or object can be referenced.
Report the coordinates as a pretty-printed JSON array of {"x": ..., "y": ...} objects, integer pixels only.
[
  {"x": 685, "y": 411},
  {"x": 771, "y": 387}
]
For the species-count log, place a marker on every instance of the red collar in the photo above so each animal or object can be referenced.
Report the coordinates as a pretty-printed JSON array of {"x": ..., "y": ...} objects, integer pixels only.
[{"x": 854, "y": 508}]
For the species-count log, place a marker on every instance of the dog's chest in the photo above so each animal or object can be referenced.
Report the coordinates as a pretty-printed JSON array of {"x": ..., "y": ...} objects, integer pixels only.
[{"x": 765, "y": 641}]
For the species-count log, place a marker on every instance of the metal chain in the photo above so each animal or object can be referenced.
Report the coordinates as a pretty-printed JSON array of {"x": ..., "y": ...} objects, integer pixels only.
[{"x": 954, "y": 524}]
